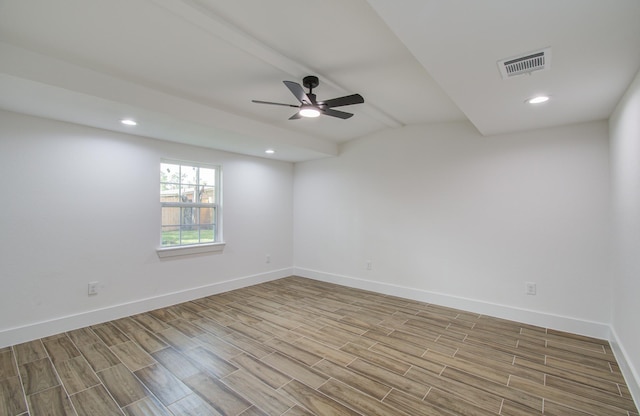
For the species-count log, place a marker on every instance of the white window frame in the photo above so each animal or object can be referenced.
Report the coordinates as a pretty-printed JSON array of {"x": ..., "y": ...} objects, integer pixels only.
[{"x": 218, "y": 244}]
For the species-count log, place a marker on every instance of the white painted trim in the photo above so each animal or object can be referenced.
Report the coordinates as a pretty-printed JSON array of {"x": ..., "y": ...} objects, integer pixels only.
[
  {"x": 630, "y": 373},
  {"x": 561, "y": 323},
  {"x": 17, "y": 335},
  {"x": 164, "y": 252}
]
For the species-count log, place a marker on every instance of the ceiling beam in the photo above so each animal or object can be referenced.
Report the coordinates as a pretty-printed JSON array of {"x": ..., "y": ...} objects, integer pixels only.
[{"x": 205, "y": 18}]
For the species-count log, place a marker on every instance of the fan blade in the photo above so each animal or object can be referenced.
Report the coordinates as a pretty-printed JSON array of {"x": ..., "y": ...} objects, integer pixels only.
[
  {"x": 296, "y": 89},
  {"x": 270, "y": 103},
  {"x": 346, "y": 100},
  {"x": 335, "y": 113},
  {"x": 295, "y": 116}
]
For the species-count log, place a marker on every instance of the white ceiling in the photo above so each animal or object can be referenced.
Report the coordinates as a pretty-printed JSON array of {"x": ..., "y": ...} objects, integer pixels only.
[{"x": 187, "y": 70}]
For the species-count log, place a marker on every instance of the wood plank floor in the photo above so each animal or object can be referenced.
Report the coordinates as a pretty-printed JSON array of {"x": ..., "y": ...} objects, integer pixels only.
[{"x": 301, "y": 347}]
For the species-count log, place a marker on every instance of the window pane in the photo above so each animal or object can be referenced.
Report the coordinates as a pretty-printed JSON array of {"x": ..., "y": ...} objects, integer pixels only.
[
  {"x": 189, "y": 175},
  {"x": 169, "y": 175},
  {"x": 187, "y": 193},
  {"x": 207, "y": 177},
  {"x": 188, "y": 217},
  {"x": 206, "y": 234},
  {"x": 206, "y": 216},
  {"x": 169, "y": 189},
  {"x": 171, "y": 194},
  {"x": 170, "y": 216},
  {"x": 170, "y": 236},
  {"x": 189, "y": 235},
  {"x": 207, "y": 194}
]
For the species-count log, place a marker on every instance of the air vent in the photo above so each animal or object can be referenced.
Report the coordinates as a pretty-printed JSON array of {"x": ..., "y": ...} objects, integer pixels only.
[{"x": 526, "y": 64}]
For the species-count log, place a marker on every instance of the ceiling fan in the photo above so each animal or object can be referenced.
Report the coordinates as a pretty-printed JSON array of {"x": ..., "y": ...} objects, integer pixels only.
[{"x": 309, "y": 107}]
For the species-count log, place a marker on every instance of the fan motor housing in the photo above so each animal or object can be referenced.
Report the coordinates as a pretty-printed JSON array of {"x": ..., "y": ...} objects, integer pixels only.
[{"x": 310, "y": 81}]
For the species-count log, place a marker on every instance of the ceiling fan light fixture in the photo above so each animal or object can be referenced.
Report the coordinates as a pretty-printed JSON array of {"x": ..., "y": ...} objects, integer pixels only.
[
  {"x": 309, "y": 111},
  {"x": 309, "y": 107},
  {"x": 538, "y": 99}
]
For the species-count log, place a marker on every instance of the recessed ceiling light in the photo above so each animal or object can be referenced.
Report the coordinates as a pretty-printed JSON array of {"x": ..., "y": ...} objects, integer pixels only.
[
  {"x": 269, "y": 151},
  {"x": 128, "y": 122},
  {"x": 538, "y": 99}
]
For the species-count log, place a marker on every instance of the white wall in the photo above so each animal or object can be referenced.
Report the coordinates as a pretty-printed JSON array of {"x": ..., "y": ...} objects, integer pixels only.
[
  {"x": 442, "y": 213},
  {"x": 625, "y": 172},
  {"x": 447, "y": 215},
  {"x": 82, "y": 204}
]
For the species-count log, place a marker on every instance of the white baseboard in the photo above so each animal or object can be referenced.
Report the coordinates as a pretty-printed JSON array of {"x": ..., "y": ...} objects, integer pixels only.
[
  {"x": 561, "y": 323},
  {"x": 630, "y": 373},
  {"x": 17, "y": 335}
]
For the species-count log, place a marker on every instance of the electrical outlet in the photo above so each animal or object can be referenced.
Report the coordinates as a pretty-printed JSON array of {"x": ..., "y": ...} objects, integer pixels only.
[
  {"x": 267, "y": 259},
  {"x": 369, "y": 266},
  {"x": 92, "y": 288},
  {"x": 530, "y": 288}
]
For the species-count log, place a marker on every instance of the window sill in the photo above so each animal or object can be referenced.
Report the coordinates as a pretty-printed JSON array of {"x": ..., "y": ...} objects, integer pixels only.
[{"x": 186, "y": 250}]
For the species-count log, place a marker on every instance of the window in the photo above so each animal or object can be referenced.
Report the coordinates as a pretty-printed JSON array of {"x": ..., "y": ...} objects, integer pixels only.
[{"x": 190, "y": 201}]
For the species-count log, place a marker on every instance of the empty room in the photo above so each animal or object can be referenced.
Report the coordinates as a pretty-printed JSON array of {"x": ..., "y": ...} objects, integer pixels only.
[{"x": 336, "y": 207}]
